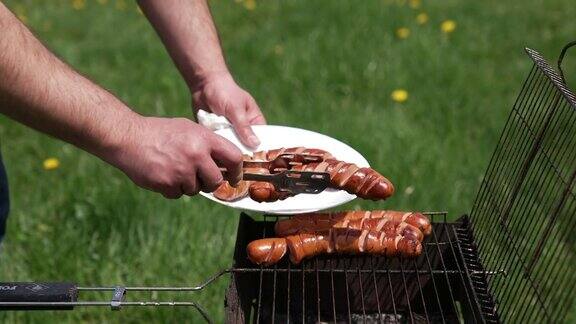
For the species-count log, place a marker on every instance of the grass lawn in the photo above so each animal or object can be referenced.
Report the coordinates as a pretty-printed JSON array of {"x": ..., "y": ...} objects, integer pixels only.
[{"x": 328, "y": 66}]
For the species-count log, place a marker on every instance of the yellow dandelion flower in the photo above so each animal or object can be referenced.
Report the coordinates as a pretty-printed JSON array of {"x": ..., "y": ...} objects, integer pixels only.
[
  {"x": 103, "y": 2},
  {"x": 415, "y": 4},
  {"x": 399, "y": 95},
  {"x": 448, "y": 26},
  {"x": 278, "y": 49},
  {"x": 121, "y": 5},
  {"x": 422, "y": 18},
  {"x": 250, "y": 4},
  {"x": 402, "y": 32},
  {"x": 51, "y": 164},
  {"x": 78, "y": 4}
]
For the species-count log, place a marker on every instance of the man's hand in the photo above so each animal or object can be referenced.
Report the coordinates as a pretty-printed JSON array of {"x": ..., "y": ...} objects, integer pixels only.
[
  {"x": 170, "y": 156},
  {"x": 187, "y": 30},
  {"x": 222, "y": 96},
  {"x": 175, "y": 157}
]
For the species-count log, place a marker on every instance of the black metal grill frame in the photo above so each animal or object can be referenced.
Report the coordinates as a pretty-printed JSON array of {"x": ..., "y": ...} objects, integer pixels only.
[
  {"x": 445, "y": 284},
  {"x": 524, "y": 215}
]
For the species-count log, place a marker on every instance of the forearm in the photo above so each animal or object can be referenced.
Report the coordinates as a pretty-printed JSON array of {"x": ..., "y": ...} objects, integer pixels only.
[
  {"x": 189, "y": 34},
  {"x": 39, "y": 90}
]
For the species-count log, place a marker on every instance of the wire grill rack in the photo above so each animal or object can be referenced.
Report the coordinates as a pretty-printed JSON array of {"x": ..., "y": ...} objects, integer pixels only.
[
  {"x": 445, "y": 284},
  {"x": 524, "y": 216}
]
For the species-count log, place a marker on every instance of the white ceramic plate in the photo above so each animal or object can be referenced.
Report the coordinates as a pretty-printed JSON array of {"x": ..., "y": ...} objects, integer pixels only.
[{"x": 273, "y": 137}]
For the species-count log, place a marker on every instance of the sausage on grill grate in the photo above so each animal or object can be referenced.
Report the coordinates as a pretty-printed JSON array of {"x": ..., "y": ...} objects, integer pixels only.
[
  {"x": 357, "y": 219},
  {"x": 338, "y": 240}
]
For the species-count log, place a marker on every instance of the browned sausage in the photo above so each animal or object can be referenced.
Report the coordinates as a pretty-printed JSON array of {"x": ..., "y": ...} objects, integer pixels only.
[
  {"x": 348, "y": 241},
  {"x": 339, "y": 240},
  {"x": 272, "y": 154},
  {"x": 322, "y": 221},
  {"x": 227, "y": 192},
  {"x": 266, "y": 251},
  {"x": 363, "y": 182},
  {"x": 414, "y": 218},
  {"x": 319, "y": 224},
  {"x": 265, "y": 192}
]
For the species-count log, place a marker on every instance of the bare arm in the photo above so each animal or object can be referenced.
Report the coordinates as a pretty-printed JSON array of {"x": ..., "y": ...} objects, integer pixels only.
[
  {"x": 164, "y": 155},
  {"x": 187, "y": 30}
]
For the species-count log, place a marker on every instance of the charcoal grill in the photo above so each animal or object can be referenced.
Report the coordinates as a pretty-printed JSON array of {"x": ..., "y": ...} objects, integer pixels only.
[{"x": 511, "y": 260}]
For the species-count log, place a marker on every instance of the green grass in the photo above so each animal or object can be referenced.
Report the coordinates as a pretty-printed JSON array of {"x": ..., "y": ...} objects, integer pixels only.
[{"x": 328, "y": 66}]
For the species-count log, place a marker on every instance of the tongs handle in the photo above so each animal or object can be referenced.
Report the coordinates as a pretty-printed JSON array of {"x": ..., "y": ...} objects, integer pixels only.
[{"x": 25, "y": 294}]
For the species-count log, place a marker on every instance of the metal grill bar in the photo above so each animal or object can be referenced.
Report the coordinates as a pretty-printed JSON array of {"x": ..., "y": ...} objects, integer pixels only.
[
  {"x": 391, "y": 292},
  {"x": 375, "y": 287},
  {"x": 463, "y": 282},
  {"x": 362, "y": 294},
  {"x": 332, "y": 294},
  {"x": 288, "y": 294},
  {"x": 349, "y": 312},
  {"x": 261, "y": 279},
  {"x": 421, "y": 294},
  {"x": 442, "y": 316},
  {"x": 303, "y": 296},
  {"x": 317, "y": 292},
  {"x": 452, "y": 296},
  {"x": 406, "y": 291}
]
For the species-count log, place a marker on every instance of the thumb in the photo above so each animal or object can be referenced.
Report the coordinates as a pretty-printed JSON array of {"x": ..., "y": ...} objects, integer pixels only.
[{"x": 244, "y": 130}]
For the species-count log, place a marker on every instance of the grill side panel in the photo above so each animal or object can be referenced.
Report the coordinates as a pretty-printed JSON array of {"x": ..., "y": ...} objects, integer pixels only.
[{"x": 524, "y": 215}]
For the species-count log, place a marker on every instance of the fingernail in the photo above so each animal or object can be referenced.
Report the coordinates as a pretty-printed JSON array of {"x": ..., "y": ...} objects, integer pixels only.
[{"x": 253, "y": 140}]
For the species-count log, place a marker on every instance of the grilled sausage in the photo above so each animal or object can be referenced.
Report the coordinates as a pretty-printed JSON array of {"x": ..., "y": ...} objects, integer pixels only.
[
  {"x": 338, "y": 240},
  {"x": 272, "y": 154},
  {"x": 312, "y": 222},
  {"x": 312, "y": 225},
  {"x": 265, "y": 192},
  {"x": 266, "y": 251},
  {"x": 414, "y": 218},
  {"x": 227, "y": 192},
  {"x": 350, "y": 241},
  {"x": 363, "y": 182},
  {"x": 262, "y": 191}
]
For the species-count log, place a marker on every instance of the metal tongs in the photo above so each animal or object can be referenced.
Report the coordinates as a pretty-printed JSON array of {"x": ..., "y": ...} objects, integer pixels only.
[{"x": 286, "y": 180}]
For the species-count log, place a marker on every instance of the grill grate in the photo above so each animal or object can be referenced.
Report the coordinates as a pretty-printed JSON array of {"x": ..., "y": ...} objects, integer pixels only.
[
  {"x": 524, "y": 214},
  {"x": 439, "y": 286}
]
